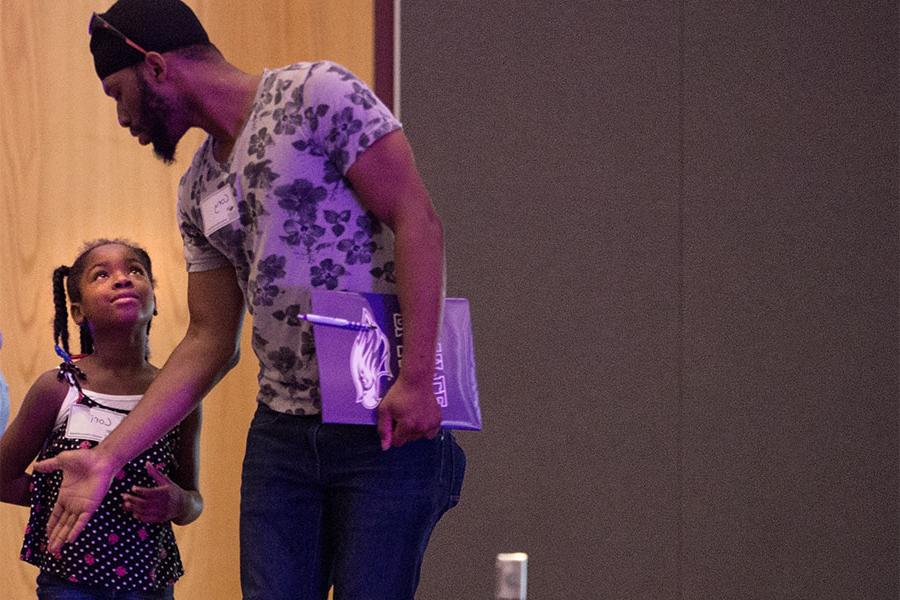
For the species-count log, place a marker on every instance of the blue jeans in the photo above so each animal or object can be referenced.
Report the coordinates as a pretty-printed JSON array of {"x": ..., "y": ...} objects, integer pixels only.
[
  {"x": 322, "y": 504},
  {"x": 50, "y": 587}
]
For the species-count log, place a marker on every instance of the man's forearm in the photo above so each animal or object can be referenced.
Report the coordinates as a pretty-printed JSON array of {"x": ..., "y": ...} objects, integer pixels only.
[
  {"x": 419, "y": 253},
  {"x": 196, "y": 364}
]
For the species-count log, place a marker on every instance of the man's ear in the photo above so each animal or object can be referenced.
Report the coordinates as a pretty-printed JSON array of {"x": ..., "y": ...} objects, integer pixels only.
[
  {"x": 156, "y": 67},
  {"x": 75, "y": 311}
]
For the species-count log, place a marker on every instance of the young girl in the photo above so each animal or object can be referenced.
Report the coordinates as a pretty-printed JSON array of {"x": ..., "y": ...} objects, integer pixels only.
[{"x": 128, "y": 549}]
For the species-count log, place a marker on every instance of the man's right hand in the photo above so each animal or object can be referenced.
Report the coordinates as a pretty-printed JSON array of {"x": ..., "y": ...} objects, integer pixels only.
[{"x": 85, "y": 482}]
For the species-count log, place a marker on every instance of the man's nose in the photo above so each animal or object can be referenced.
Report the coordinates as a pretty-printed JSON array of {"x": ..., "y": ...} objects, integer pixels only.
[{"x": 124, "y": 121}]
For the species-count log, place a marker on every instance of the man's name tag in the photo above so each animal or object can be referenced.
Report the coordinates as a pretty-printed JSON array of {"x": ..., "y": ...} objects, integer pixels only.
[
  {"x": 218, "y": 210},
  {"x": 91, "y": 422}
]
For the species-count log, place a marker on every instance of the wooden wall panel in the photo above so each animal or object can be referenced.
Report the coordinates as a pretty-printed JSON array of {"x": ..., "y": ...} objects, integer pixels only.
[{"x": 69, "y": 174}]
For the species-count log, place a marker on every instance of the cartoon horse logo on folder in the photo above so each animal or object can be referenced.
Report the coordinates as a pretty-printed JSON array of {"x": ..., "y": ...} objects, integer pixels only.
[{"x": 370, "y": 362}]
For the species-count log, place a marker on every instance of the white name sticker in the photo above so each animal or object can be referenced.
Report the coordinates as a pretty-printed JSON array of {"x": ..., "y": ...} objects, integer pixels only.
[
  {"x": 218, "y": 210},
  {"x": 91, "y": 422}
]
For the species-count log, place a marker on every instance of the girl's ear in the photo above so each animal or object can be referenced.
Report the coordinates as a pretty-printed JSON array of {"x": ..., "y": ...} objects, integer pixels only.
[
  {"x": 75, "y": 311},
  {"x": 155, "y": 312}
]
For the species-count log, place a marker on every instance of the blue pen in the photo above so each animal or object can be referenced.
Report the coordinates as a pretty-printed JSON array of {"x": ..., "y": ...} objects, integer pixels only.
[{"x": 335, "y": 322}]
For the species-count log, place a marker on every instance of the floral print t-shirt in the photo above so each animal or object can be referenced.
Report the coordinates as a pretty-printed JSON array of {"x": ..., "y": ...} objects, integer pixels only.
[
  {"x": 283, "y": 214},
  {"x": 115, "y": 551}
]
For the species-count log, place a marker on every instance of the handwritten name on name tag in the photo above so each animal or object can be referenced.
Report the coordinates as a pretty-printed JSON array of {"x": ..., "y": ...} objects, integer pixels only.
[
  {"x": 218, "y": 210},
  {"x": 91, "y": 422}
]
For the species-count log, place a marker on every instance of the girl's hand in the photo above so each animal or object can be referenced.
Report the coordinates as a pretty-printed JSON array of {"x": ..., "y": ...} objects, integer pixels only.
[{"x": 165, "y": 502}]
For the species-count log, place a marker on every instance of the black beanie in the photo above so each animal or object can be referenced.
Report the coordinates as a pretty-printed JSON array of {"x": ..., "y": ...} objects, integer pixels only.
[{"x": 154, "y": 25}]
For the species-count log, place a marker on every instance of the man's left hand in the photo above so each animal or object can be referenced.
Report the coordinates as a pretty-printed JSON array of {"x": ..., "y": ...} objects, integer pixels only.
[{"x": 408, "y": 413}]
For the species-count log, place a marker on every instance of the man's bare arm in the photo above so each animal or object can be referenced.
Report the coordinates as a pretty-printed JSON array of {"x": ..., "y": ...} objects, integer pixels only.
[{"x": 387, "y": 183}]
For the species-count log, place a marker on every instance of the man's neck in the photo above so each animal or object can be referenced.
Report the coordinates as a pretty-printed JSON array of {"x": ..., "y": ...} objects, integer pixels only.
[{"x": 225, "y": 104}]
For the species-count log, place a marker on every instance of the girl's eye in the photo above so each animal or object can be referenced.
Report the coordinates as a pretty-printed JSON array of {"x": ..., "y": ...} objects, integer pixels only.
[
  {"x": 100, "y": 274},
  {"x": 137, "y": 270}
]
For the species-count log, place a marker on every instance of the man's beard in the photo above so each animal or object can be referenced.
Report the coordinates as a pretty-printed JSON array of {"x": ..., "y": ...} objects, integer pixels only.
[{"x": 155, "y": 113}]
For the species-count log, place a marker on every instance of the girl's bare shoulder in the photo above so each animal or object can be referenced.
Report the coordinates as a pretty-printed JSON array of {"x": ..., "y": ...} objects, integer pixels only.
[{"x": 48, "y": 388}]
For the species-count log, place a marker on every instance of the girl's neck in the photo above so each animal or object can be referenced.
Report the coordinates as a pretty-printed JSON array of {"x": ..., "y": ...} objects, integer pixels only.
[
  {"x": 117, "y": 369},
  {"x": 121, "y": 353}
]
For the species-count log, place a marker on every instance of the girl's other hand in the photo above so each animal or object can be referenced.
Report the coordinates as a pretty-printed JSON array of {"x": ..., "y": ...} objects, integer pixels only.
[{"x": 160, "y": 504}]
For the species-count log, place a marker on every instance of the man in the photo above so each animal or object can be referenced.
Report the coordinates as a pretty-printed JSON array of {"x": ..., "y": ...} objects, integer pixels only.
[{"x": 301, "y": 183}]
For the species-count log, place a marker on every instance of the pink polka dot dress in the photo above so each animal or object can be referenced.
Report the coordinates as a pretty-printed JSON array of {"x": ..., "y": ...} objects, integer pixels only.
[{"x": 115, "y": 551}]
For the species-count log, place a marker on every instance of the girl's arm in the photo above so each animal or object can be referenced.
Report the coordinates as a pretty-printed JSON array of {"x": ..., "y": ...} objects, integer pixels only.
[
  {"x": 26, "y": 435},
  {"x": 187, "y": 473},
  {"x": 175, "y": 499}
]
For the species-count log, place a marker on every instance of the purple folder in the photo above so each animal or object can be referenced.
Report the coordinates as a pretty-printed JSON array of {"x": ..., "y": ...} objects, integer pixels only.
[{"x": 357, "y": 368}]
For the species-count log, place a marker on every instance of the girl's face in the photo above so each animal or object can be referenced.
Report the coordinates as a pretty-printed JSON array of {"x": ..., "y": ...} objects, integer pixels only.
[{"x": 115, "y": 289}]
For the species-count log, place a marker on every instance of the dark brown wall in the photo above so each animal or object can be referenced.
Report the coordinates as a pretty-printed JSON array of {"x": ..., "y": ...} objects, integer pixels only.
[{"x": 678, "y": 227}]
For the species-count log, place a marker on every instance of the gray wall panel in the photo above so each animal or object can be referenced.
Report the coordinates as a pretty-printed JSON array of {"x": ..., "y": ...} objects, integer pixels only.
[
  {"x": 553, "y": 172},
  {"x": 678, "y": 227},
  {"x": 790, "y": 301}
]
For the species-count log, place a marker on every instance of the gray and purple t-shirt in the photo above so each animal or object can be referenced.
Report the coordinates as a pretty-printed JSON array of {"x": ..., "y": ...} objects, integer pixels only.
[{"x": 283, "y": 214}]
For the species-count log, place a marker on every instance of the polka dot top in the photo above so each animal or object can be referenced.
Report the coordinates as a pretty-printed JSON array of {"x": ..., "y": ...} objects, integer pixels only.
[{"x": 115, "y": 551}]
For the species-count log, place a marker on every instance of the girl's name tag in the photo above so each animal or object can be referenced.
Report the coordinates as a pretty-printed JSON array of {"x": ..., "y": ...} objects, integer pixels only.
[{"x": 91, "y": 422}]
